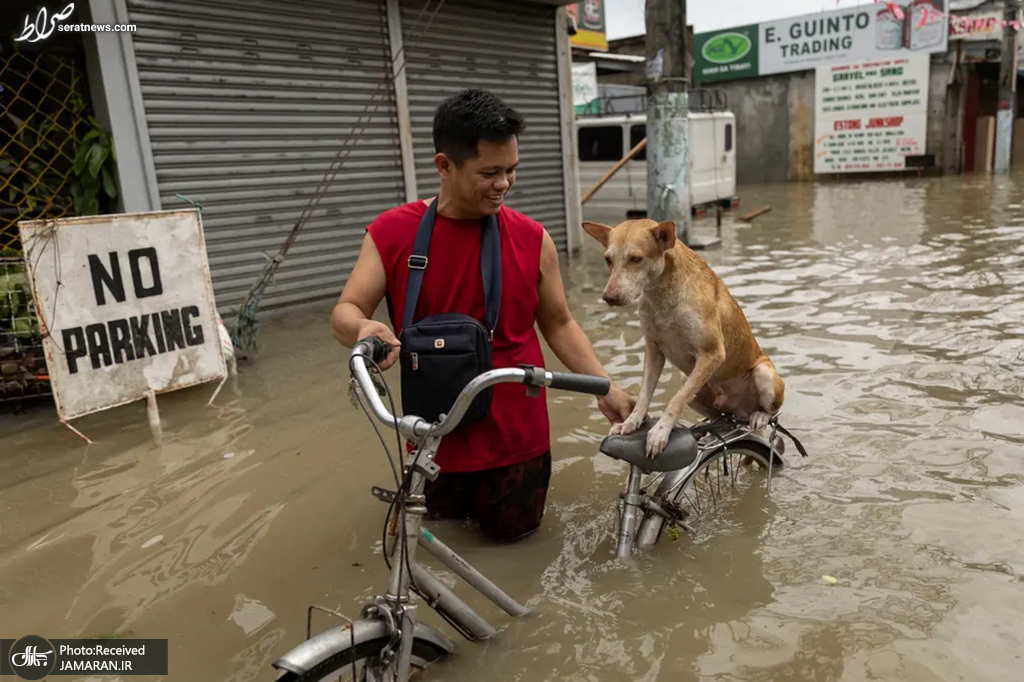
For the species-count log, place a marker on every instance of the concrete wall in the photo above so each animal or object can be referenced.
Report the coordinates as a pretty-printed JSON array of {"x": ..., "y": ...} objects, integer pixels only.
[
  {"x": 114, "y": 85},
  {"x": 761, "y": 106},
  {"x": 801, "y": 126},
  {"x": 943, "y": 115}
]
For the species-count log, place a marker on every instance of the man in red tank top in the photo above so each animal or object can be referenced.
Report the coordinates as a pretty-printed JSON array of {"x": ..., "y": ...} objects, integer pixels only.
[{"x": 495, "y": 470}]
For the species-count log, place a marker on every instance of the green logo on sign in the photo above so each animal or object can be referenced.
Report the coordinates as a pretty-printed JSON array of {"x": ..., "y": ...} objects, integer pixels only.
[{"x": 726, "y": 48}]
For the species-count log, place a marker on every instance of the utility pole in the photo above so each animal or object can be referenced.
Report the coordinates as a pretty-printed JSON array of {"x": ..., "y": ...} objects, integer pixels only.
[
  {"x": 668, "y": 126},
  {"x": 1007, "y": 86}
]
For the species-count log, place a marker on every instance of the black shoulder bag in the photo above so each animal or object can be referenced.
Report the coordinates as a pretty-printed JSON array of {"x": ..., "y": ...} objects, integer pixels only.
[{"x": 442, "y": 353}]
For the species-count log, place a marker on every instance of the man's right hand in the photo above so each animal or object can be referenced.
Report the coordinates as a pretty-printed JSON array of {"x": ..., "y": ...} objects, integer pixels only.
[{"x": 384, "y": 333}]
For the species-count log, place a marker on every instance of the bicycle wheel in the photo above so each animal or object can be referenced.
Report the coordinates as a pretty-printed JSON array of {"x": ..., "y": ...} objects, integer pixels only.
[
  {"x": 723, "y": 474},
  {"x": 366, "y": 657}
]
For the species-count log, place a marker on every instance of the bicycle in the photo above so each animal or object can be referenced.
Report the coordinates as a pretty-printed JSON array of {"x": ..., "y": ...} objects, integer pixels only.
[{"x": 387, "y": 642}]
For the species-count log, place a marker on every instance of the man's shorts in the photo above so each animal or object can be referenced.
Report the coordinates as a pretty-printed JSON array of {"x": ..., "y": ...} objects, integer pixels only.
[{"x": 507, "y": 502}]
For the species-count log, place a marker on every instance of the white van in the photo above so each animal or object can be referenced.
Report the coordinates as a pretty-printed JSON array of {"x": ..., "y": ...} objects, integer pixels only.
[{"x": 604, "y": 140}]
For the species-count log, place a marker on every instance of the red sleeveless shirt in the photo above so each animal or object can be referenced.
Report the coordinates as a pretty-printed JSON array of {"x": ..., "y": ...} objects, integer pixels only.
[{"x": 517, "y": 427}]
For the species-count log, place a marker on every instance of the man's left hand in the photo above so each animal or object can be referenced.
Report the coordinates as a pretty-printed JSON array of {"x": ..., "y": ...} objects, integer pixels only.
[{"x": 617, "y": 405}]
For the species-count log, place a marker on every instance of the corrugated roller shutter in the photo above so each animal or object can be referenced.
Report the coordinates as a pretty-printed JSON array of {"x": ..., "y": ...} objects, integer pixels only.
[
  {"x": 248, "y": 104},
  {"x": 509, "y": 49}
]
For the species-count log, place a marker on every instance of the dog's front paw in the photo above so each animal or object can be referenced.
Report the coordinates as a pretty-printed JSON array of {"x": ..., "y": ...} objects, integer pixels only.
[
  {"x": 657, "y": 439},
  {"x": 759, "y": 420},
  {"x": 625, "y": 428}
]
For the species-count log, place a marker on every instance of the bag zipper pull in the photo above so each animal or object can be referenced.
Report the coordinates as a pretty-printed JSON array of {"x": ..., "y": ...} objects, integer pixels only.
[{"x": 415, "y": 361}]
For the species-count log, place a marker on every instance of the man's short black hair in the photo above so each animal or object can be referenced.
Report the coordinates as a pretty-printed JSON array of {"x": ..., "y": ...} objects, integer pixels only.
[{"x": 464, "y": 119}]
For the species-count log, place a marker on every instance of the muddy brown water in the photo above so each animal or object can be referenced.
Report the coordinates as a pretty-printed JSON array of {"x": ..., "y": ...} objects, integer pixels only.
[{"x": 895, "y": 312}]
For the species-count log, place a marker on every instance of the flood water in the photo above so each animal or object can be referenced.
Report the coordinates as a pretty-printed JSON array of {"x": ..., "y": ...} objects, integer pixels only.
[{"x": 893, "y": 309}]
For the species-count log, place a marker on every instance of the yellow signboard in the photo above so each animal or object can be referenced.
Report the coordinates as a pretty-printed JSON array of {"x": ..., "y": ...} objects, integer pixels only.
[{"x": 590, "y": 28}]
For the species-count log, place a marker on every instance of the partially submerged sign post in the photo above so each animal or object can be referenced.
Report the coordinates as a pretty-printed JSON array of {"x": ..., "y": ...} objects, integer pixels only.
[{"x": 125, "y": 306}]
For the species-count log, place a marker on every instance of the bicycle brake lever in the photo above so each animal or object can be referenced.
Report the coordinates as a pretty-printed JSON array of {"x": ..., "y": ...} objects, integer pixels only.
[
  {"x": 353, "y": 385},
  {"x": 378, "y": 383}
]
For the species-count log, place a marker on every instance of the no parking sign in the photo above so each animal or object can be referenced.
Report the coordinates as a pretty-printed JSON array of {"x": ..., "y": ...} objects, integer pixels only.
[{"x": 125, "y": 305}]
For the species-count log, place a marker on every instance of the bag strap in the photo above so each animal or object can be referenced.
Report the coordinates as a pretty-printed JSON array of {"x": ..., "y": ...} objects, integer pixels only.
[
  {"x": 490, "y": 269},
  {"x": 490, "y": 266}
]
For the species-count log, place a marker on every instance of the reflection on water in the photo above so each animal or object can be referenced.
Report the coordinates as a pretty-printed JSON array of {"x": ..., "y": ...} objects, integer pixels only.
[{"x": 894, "y": 310}]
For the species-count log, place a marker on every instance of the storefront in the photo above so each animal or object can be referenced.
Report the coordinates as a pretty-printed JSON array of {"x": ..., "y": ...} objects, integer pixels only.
[
  {"x": 247, "y": 107},
  {"x": 976, "y": 39}
]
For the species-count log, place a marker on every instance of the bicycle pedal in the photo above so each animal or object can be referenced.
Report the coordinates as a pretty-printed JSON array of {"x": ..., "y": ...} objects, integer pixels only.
[{"x": 383, "y": 494}]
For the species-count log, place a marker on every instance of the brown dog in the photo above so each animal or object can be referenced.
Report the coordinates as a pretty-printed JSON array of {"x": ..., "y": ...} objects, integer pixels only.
[{"x": 689, "y": 317}]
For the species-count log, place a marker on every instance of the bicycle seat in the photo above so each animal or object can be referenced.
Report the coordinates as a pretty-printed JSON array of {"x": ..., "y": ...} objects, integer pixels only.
[{"x": 680, "y": 451}]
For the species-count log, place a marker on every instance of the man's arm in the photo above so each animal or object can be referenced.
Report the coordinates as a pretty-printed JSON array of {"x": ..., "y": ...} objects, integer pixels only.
[
  {"x": 564, "y": 335},
  {"x": 363, "y": 292}
]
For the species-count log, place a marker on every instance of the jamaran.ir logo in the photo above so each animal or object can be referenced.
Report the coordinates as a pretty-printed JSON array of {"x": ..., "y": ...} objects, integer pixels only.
[
  {"x": 33, "y": 657},
  {"x": 726, "y": 48},
  {"x": 44, "y": 24}
]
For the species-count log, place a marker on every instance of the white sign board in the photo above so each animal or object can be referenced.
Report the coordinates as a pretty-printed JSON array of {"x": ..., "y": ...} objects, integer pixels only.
[
  {"x": 125, "y": 304},
  {"x": 869, "y": 32},
  {"x": 584, "y": 85},
  {"x": 869, "y": 116}
]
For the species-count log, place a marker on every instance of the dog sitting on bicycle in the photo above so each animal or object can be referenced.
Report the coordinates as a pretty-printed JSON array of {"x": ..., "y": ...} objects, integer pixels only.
[{"x": 689, "y": 317}]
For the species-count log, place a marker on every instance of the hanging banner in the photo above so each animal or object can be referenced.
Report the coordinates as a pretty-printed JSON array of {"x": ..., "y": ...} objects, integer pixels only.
[
  {"x": 125, "y": 305},
  {"x": 584, "y": 88},
  {"x": 590, "y": 26},
  {"x": 986, "y": 26},
  {"x": 869, "y": 116},
  {"x": 890, "y": 30}
]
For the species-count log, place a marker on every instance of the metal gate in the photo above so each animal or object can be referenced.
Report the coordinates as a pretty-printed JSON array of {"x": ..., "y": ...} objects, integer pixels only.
[
  {"x": 247, "y": 105},
  {"x": 509, "y": 49}
]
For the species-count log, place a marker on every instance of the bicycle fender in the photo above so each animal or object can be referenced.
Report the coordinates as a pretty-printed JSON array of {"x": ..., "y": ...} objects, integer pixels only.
[
  {"x": 320, "y": 647},
  {"x": 780, "y": 444}
]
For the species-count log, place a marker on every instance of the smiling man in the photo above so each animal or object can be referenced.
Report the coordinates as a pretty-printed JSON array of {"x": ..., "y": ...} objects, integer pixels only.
[{"x": 495, "y": 470}]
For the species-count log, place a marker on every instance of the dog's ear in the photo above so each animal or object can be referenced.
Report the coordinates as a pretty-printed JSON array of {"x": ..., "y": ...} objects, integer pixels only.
[
  {"x": 599, "y": 232},
  {"x": 665, "y": 235}
]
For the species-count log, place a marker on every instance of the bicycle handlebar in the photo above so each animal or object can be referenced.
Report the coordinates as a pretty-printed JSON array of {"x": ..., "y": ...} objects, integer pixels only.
[
  {"x": 412, "y": 426},
  {"x": 580, "y": 383}
]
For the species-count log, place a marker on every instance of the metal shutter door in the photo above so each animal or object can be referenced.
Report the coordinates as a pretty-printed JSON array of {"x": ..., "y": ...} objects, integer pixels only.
[
  {"x": 509, "y": 49},
  {"x": 247, "y": 105}
]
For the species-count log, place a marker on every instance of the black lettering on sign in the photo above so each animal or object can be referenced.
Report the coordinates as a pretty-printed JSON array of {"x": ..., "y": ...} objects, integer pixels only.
[
  {"x": 140, "y": 336},
  {"x": 99, "y": 345},
  {"x": 101, "y": 276},
  {"x": 120, "y": 341},
  {"x": 111, "y": 279},
  {"x": 74, "y": 347},
  {"x": 124, "y": 340},
  {"x": 149, "y": 254},
  {"x": 193, "y": 334},
  {"x": 158, "y": 334},
  {"x": 171, "y": 321}
]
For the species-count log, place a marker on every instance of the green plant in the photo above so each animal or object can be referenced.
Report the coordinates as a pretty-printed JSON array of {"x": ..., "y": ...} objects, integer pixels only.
[
  {"x": 15, "y": 298},
  {"x": 94, "y": 188},
  {"x": 29, "y": 180}
]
